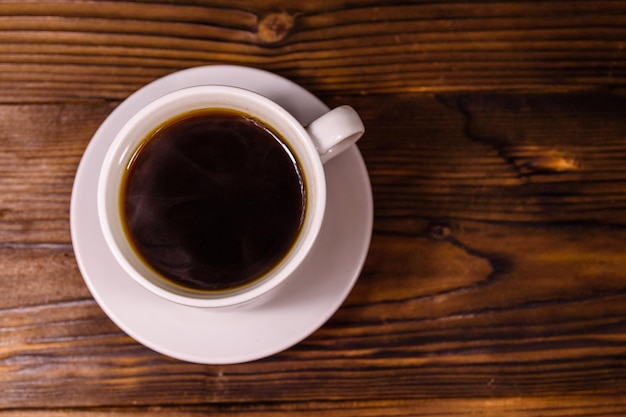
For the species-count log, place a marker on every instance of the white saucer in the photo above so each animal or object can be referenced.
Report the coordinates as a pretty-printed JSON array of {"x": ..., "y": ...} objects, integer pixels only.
[{"x": 297, "y": 309}]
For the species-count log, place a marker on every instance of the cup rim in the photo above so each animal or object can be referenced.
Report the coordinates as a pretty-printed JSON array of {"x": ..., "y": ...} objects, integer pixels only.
[{"x": 142, "y": 123}]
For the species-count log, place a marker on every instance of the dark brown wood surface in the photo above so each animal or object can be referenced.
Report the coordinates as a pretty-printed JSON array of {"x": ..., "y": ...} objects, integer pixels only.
[{"x": 496, "y": 146}]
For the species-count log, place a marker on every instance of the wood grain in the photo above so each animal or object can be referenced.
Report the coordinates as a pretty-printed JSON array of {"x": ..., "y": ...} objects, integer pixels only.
[
  {"x": 526, "y": 158},
  {"x": 492, "y": 282},
  {"x": 73, "y": 50},
  {"x": 494, "y": 407},
  {"x": 496, "y": 140},
  {"x": 41, "y": 148}
]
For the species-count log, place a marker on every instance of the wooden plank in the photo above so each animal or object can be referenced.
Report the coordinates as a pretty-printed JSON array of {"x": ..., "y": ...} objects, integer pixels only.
[
  {"x": 491, "y": 407},
  {"x": 70, "y": 50},
  {"x": 499, "y": 158},
  {"x": 482, "y": 157}
]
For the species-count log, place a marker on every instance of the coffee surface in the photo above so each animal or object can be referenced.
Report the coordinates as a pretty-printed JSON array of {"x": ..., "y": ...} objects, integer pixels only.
[{"x": 213, "y": 200}]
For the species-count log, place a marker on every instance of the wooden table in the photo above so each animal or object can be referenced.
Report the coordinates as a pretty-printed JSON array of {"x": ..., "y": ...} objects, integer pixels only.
[{"x": 496, "y": 146}]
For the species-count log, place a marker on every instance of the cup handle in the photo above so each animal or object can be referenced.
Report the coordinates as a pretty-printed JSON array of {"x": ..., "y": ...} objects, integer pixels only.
[{"x": 335, "y": 131}]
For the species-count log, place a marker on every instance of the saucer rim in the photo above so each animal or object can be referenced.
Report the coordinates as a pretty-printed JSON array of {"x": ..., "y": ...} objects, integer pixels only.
[{"x": 281, "y": 343}]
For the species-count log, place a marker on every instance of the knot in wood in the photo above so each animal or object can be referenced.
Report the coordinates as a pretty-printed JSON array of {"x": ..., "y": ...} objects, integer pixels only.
[
  {"x": 274, "y": 27},
  {"x": 553, "y": 162},
  {"x": 439, "y": 231}
]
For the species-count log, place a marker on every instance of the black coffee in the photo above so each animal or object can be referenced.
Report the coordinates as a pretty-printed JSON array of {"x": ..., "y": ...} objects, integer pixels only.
[{"x": 213, "y": 200}]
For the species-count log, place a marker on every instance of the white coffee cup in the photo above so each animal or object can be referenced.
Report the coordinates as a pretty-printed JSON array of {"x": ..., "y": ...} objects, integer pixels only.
[{"x": 312, "y": 145}]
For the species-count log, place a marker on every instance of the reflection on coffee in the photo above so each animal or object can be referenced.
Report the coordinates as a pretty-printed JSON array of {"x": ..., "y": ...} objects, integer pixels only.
[{"x": 213, "y": 200}]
